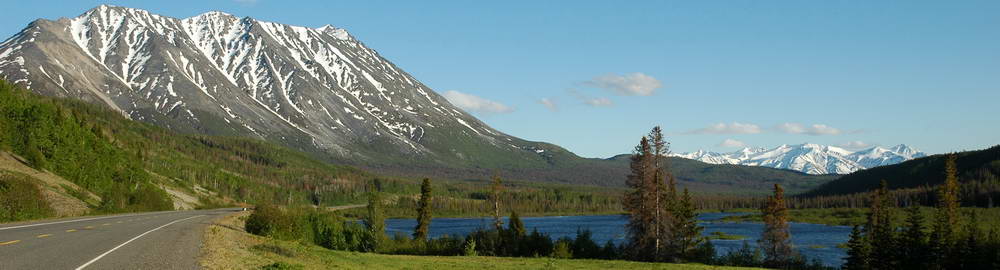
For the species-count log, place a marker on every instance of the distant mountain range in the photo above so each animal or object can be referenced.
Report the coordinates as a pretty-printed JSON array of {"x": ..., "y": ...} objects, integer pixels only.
[{"x": 810, "y": 158}]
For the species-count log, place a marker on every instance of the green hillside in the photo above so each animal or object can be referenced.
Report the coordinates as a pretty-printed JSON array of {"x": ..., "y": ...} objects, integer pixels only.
[{"x": 978, "y": 172}]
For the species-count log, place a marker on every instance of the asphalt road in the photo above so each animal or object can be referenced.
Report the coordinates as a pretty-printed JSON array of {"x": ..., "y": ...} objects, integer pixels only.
[{"x": 157, "y": 240}]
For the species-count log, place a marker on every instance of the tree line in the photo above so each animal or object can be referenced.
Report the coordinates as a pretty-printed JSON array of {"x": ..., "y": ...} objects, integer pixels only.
[{"x": 951, "y": 239}]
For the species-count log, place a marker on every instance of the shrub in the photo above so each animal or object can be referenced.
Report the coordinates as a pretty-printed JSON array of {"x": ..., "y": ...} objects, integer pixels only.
[
  {"x": 282, "y": 266},
  {"x": 562, "y": 249},
  {"x": 276, "y": 223},
  {"x": 21, "y": 200},
  {"x": 470, "y": 247}
]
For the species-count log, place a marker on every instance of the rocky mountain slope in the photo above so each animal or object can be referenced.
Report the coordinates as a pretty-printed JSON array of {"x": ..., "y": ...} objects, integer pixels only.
[
  {"x": 811, "y": 158},
  {"x": 315, "y": 89}
]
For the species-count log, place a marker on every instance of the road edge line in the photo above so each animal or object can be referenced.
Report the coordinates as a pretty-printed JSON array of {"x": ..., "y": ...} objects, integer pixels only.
[
  {"x": 133, "y": 239},
  {"x": 76, "y": 220}
]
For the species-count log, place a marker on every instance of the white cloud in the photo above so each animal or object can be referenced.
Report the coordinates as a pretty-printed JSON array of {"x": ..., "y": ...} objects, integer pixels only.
[
  {"x": 592, "y": 101},
  {"x": 599, "y": 102},
  {"x": 732, "y": 143},
  {"x": 723, "y": 128},
  {"x": 549, "y": 103},
  {"x": 815, "y": 129},
  {"x": 633, "y": 84},
  {"x": 473, "y": 103},
  {"x": 855, "y": 145}
]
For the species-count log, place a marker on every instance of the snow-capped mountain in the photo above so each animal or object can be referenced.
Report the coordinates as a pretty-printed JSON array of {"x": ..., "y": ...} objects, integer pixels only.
[
  {"x": 810, "y": 158},
  {"x": 315, "y": 89}
]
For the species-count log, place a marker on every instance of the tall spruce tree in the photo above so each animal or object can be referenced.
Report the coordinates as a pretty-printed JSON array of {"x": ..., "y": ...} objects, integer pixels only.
[
  {"x": 943, "y": 234},
  {"x": 775, "y": 240},
  {"x": 913, "y": 242},
  {"x": 686, "y": 234},
  {"x": 423, "y": 211},
  {"x": 664, "y": 200},
  {"x": 640, "y": 224},
  {"x": 880, "y": 230},
  {"x": 971, "y": 250},
  {"x": 649, "y": 202},
  {"x": 858, "y": 251}
]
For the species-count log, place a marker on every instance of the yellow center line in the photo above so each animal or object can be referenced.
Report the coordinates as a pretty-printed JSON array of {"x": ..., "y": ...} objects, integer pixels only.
[
  {"x": 88, "y": 227},
  {"x": 44, "y": 235},
  {"x": 118, "y": 222},
  {"x": 106, "y": 224},
  {"x": 9, "y": 242},
  {"x": 70, "y": 230}
]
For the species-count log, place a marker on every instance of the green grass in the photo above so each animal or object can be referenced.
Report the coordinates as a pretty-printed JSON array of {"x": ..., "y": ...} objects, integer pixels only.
[
  {"x": 720, "y": 235},
  {"x": 309, "y": 257}
]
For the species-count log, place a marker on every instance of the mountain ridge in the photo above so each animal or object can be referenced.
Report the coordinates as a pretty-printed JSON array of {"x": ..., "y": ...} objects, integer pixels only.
[{"x": 810, "y": 158}]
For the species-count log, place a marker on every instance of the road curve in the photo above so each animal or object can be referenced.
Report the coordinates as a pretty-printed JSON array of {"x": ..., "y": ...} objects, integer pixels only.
[{"x": 156, "y": 240}]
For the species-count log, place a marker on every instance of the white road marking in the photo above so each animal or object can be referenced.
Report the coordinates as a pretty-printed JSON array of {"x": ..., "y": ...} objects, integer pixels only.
[
  {"x": 75, "y": 220},
  {"x": 133, "y": 239}
]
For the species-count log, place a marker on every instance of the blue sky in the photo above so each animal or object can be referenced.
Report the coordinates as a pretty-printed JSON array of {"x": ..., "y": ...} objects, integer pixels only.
[{"x": 714, "y": 74}]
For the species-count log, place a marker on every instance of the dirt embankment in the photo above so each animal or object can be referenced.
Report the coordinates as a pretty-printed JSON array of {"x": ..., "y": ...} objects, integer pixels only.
[{"x": 55, "y": 189}]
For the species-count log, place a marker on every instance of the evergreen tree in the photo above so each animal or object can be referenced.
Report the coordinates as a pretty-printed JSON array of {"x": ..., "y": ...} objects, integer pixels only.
[
  {"x": 913, "y": 243},
  {"x": 943, "y": 234},
  {"x": 686, "y": 231},
  {"x": 584, "y": 247},
  {"x": 973, "y": 253},
  {"x": 423, "y": 211},
  {"x": 649, "y": 202},
  {"x": 609, "y": 251},
  {"x": 640, "y": 245},
  {"x": 375, "y": 220},
  {"x": 775, "y": 240},
  {"x": 858, "y": 251},
  {"x": 516, "y": 226},
  {"x": 880, "y": 231},
  {"x": 667, "y": 242}
]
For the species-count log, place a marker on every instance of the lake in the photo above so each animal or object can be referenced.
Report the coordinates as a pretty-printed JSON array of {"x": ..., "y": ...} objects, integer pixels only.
[{"x": 815, "y": 241}]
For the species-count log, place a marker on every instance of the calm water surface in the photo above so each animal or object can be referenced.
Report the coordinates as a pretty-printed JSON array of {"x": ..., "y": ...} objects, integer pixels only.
[{"x": 813, "y": 240}]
